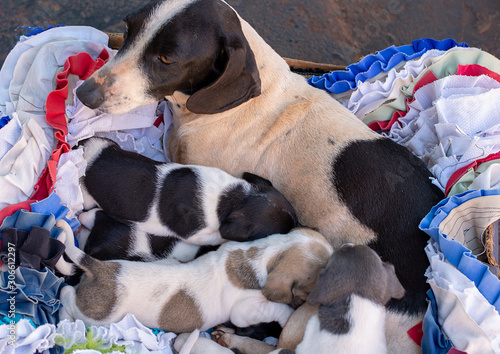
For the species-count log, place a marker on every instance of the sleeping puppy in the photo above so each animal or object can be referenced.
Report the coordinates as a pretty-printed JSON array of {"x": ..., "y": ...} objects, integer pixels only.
[
  {"x": 348, "y": 309},
  {"x": 351, "y": 294},
  {"x": 244, "y": 282},
  {"x": 105, "y": 238},
  {"x": 149, "y": 200},
  {"x": 237, "y": 106}
]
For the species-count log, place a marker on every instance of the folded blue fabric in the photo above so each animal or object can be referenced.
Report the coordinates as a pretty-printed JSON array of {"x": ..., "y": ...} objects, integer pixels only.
[
  {"x": 370, "y": 66},
  {"x": 434, "y": 341},
  {"x": 36, "y": 295},
  {"x": 456, "y": 253}
]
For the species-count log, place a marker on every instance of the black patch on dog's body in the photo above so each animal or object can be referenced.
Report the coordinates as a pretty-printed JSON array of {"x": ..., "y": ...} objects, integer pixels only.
[
  {"x": 114, "y": 172},
  {"x": 372, "y": 178},
  {"x": 180, "y": 205},
  {"x": 111, "y": 239},
  {"x": 334, "y": 318},
  {"x": 162, "y": 246}
]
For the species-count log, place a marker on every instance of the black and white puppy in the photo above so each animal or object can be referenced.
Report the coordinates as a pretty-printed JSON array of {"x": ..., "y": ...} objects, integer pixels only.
[
  {"x": 151, "y": 206},
  {"x": 351, "y": 293}
]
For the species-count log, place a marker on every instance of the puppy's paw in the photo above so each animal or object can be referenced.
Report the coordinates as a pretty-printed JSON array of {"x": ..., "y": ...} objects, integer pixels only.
[
  {"x": 223, "y": 335},
  {"x": 87, "y": 218}
]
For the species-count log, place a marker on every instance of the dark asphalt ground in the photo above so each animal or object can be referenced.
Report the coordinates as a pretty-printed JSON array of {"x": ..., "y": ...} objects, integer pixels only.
[{"x": 327, "y": 31}]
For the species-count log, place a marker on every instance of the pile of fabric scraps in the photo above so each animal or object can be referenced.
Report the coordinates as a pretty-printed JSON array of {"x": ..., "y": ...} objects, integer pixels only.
[
  {"x": 441, "y": 100},
  {"x": 438, "y": 98},
  {"x": 41, "y": 120}
]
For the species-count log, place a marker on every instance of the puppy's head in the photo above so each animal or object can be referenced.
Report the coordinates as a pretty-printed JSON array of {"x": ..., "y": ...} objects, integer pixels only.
[
  {"x": 356, "y": 270},
  {"x": 261, "y": 212},
  {"x": 293, "y": 273},
  {"x": 195, "y": 47}
]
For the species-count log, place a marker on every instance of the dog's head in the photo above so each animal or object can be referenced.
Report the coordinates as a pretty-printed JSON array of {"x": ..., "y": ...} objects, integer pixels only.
[
  {"x": 257, "y": 213},
  {"x": 292, "y": 274},
  {"x": 195, "y": 47},
  {"x": 356, "y": 270}
]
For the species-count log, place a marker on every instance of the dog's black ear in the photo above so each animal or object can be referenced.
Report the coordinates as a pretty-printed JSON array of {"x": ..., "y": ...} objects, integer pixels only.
[
  {"x": 254, "y": 179},
  {"x": 238, "y": 82}
]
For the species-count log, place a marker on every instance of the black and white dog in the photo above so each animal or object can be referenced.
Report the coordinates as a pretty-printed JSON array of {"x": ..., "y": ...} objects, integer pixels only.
[
  {"x": 238, "y": 107},
  {"x": 146, "y": 208}
]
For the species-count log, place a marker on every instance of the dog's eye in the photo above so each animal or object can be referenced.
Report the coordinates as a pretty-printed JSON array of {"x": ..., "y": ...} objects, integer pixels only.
[{"x": 164, "y": 60}]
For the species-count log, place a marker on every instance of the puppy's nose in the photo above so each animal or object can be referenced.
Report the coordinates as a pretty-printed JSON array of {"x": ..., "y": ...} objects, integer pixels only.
[{"x": 90, "y": 93}]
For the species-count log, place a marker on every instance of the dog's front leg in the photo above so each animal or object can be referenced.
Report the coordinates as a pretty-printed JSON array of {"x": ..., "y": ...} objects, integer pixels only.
[{"x": 255, "y": 308}]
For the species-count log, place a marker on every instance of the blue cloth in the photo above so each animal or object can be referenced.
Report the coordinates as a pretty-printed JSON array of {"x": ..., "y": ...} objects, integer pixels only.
[
  {"x": 457, "y": 254},
  {"x": 36, "y": 295},
  {"x": 44, "y": 213},
  {"x": 31, "y": 31},
  {"x": 433, "y": 341},
  {"x": 52, "y": 205},
  {"x": 3, "y": 121},
  {"x": 25, "y": 220},
  {"x": 372, "y": 65}
]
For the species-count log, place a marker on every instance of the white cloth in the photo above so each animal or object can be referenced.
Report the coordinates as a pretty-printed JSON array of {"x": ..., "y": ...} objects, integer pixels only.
[
  {"x": 84, "y": 123},
  {"x": 467, "y": 318},
  {"x": 444, "y": 136},
  {"x": 40, "y": 80},
  {"x": 28, "y": 340},
  {"x": 26, "y": 43},
  {"x": 129, "y": 332},
  {"x": 9, "y": 135},
  {"x": 23, "y": 164},
  {"x": 70, "y": 168},
  {"x": 372, "y": 94}
]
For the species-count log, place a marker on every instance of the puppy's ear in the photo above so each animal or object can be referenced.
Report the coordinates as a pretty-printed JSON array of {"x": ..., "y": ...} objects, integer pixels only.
[
  {"x": 234, "y": 227},
  {"x": 254, "y": 179},
  {"x": 394, "y": 287},
  {"x": 238, "y": 83},
  {"x": 278, "y": 287}
]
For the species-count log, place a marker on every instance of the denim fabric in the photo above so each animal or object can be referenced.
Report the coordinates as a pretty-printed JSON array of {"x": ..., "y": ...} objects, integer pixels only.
[{"x": 36, "y": 295}]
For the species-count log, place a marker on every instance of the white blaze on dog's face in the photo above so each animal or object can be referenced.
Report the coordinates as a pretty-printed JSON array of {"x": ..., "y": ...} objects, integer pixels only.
[{"x": 195, "y": 47}]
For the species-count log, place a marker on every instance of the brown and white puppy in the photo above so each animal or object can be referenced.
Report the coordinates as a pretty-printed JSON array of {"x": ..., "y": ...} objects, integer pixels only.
[
  {"x": 153, "y": 210},
  {"x": 345, "y": 309},
  {"x": 237, "y": 106},
  {"x": 242, "y": 282},
  {"x": 351, "y": 293}
]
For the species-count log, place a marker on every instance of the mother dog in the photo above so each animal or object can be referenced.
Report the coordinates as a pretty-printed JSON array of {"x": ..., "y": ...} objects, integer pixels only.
[{"x": 237, "y": 106}]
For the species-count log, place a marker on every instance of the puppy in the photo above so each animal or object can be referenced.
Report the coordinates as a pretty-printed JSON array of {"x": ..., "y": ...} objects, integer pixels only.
[
  {"x": 351, "y": 294},
  {"x": 240, "y": 282},
  {"x": 105, "y": 238},
  {"x": 237, "y": 106},
  {"x": 348, "y": 302},
  {"x": 150, "y": 206}
]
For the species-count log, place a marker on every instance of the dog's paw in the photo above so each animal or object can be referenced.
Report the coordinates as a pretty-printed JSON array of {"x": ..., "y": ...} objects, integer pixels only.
[
  {"x": 223, "y": 336},
  {"x": 87, "y": 218}
]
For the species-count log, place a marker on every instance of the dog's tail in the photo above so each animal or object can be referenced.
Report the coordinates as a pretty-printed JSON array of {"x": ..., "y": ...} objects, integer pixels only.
[
  {"x": 189, "y": 342},
  {"x": 79, "y": 258}
]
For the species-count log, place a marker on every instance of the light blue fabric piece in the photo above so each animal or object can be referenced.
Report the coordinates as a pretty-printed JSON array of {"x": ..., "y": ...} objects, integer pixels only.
[
  {"x": 370, "y": 66},
  {"x": 52, "y": 205},
  {"x": 36, "y": 295},
  {"x": 24, "y": 220},
  {"x": 457, "y": 254}
]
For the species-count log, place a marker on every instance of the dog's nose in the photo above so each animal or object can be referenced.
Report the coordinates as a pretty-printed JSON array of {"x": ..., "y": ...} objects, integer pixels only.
[{"x": 90, "y": 93}]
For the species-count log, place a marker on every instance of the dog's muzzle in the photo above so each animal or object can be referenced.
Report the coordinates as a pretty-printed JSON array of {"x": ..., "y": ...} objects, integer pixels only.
[{"x": 90, "y": 93}]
